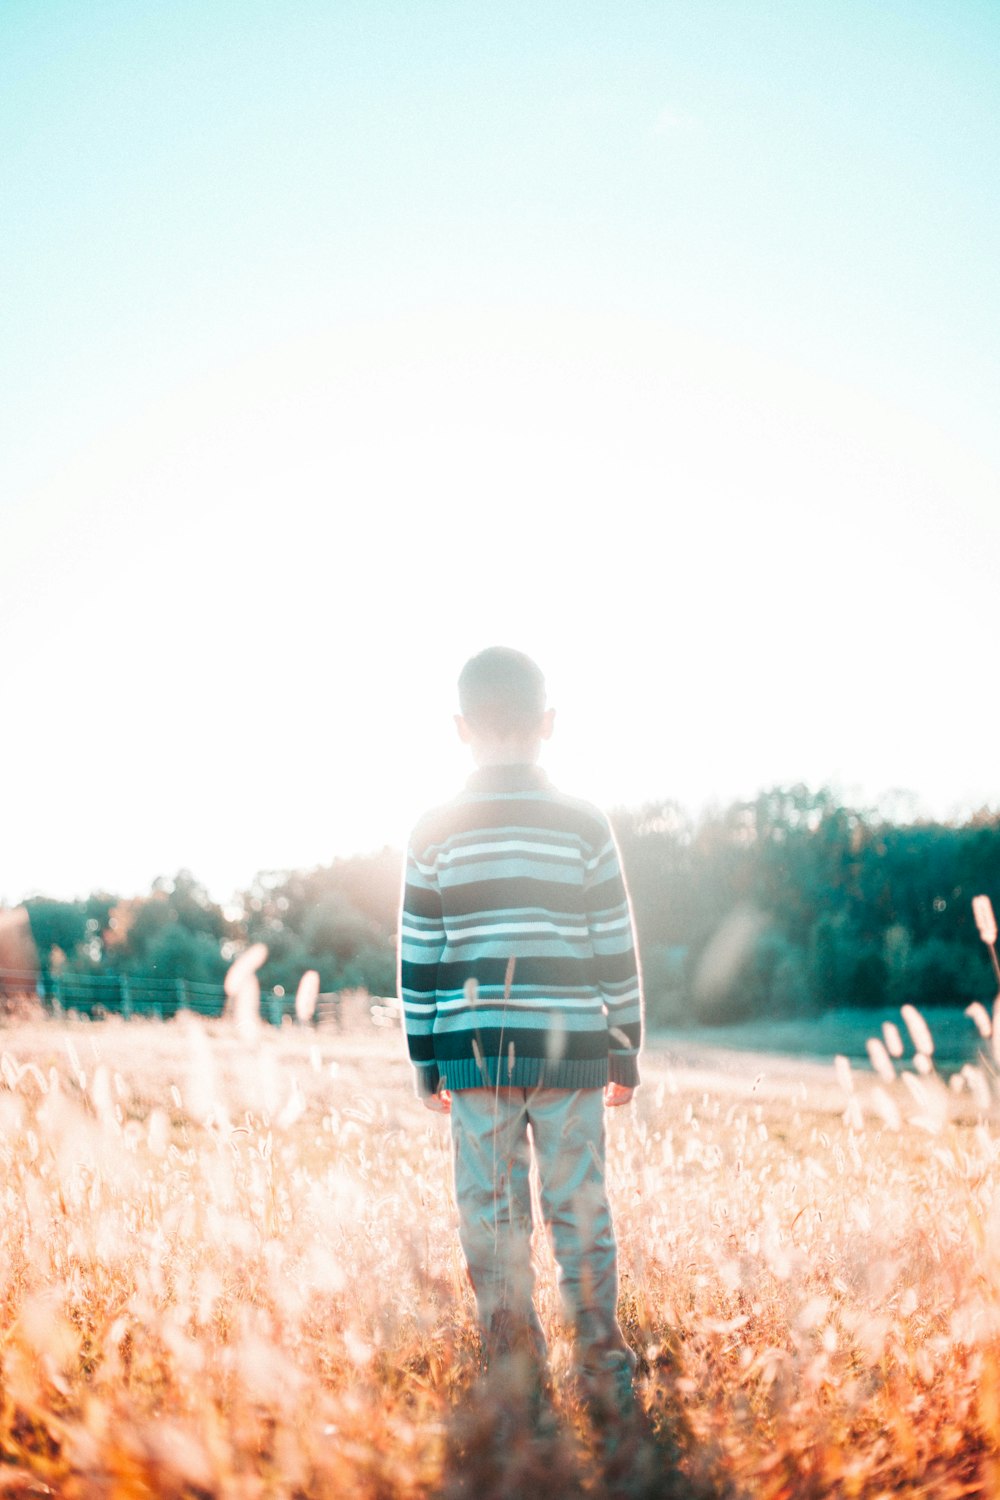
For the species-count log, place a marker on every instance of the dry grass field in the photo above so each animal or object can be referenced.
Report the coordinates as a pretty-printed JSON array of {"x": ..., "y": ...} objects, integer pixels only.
[{"x": 229, "y": 1268}]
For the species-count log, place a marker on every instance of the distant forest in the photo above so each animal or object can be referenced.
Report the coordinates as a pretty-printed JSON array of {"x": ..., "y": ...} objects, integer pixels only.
[{"x": 789, "y": 904}]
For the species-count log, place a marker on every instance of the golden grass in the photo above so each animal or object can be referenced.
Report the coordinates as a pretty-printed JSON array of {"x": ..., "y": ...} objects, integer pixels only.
[{"x": 229, "y": 1267}]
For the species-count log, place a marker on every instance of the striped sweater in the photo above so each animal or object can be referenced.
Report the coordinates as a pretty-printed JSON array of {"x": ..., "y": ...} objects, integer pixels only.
[{"x": 517, "y": 961}]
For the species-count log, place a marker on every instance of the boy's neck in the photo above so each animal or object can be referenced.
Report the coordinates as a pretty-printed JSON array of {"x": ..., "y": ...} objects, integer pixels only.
[
  {"x": 505, "y": 752},
  {"x": 518, "y": 749}
]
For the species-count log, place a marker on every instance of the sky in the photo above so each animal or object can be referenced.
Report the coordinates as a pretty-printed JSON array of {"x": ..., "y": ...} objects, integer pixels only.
[{"x": 340, "y": 340}]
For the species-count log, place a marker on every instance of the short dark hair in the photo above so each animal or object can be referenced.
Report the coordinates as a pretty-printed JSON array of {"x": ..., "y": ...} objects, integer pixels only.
[{"x": 502, "y": 692}]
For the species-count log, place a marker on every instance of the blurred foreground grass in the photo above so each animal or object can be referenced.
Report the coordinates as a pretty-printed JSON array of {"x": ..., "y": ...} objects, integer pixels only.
[{"x": 229, "y": 1267}]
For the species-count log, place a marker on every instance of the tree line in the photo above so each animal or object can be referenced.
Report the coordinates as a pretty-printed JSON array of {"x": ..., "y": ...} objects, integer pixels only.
[
  {"x": 786, "y": 904},
  {"x": 792, "y": 904}
]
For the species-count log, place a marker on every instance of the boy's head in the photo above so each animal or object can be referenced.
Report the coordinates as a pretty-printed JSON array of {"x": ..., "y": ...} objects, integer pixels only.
[{"x": 501, "y": 693}]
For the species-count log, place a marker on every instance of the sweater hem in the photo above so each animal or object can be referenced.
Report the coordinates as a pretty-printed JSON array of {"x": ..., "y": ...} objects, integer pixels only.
[{"x": 526, "y": 1073}]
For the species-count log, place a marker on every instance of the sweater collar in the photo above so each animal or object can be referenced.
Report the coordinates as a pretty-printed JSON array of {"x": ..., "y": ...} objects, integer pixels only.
[{"x": 524, "y": 777}]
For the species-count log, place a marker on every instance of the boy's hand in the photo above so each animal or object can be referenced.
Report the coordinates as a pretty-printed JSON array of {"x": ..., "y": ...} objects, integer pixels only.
[
  {"x": 439, "y": 1103},
  {"x": 617, "y": 1093}
]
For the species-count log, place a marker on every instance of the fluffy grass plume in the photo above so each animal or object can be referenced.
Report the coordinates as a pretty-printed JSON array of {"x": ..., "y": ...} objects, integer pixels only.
[{"x": 229, "y": 1268}]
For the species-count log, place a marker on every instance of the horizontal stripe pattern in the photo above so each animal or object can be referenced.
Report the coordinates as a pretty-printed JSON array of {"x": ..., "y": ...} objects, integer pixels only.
[{"x": 513, "y": 870}]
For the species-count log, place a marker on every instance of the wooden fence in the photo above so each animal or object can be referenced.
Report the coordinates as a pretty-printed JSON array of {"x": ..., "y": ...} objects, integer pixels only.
[{"x": 98, "y": 995}]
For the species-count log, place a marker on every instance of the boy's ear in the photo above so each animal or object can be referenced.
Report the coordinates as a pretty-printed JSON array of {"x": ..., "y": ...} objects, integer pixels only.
[
  {"x": 464, "y": 732},
  {"x": 548, "y": 723}
]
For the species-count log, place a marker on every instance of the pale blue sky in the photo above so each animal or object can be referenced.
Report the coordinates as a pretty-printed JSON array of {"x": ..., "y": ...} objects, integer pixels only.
[{"x": 339, "y": 340}]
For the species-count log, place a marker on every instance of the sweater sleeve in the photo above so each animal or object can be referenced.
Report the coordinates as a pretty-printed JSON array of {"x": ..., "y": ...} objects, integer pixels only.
[
  {"x": 612, "y": 937},
  {"x": 421, "y": 944}
]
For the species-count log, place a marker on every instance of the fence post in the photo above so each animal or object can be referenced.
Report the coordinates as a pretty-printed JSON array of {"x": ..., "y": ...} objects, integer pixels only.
[{"x": 124, "y": 995}]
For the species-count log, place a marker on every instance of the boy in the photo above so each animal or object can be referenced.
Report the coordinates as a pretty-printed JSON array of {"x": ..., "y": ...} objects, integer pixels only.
[{"x": 522, "y": 1006}]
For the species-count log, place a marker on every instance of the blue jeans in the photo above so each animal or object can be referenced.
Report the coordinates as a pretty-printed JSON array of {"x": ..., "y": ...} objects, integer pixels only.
[{"x": 492, "y": 1150}]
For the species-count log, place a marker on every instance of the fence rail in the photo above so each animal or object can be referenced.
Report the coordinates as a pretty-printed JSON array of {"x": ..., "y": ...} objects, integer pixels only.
[{"x": 128, "y": 995}]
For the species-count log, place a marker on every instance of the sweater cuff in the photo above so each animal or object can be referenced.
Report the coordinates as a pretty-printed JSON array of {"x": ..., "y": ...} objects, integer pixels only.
[
  {"x": 428, "y": 1081},
  {"x": 623, "y": 1068}
]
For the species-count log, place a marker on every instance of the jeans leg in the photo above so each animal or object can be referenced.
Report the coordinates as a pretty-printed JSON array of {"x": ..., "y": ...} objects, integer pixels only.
[
  {"x": 568, "y": 1132},
  {"x": 492, "y": 1163}
]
